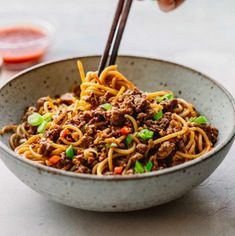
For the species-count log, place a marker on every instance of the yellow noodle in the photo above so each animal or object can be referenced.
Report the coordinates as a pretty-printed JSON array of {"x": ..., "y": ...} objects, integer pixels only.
[
  {"x": 121, "y": 91},
  {"x": 200, "y": 142},
  {"x": 110, "y": 159},
  {"x": 158, "y": 94},
  {"x": 77, "y": 130},
  {"x": 191, "y": 140},
  {"x": 81, "y": 70},
  {"x": 133, "y": 121},
  {"x": 99, "y": 86},
  {"x": 125, "y": 151}
]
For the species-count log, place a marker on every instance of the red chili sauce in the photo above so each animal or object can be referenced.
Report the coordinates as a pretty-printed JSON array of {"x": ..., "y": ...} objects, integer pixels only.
[{"x": 22, "y": 35}]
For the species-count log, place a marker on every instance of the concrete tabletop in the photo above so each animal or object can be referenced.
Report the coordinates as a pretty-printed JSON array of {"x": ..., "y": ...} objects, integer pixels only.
[{"x": 200, "y": 34}]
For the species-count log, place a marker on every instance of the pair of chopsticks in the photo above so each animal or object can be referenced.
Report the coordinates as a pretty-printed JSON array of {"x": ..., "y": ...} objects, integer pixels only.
[{"x": 117, "y": 29}]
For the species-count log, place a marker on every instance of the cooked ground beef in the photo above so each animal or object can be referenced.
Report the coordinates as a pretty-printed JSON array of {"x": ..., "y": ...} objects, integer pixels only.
[
  {"x": 169, "y": 105},
  {"x": 41, "y": 101},
  {"x": 53, "y": 134},
  {"x": 45, "y": 148},
  {"x": 165, "y": 149},
  {"x": 142, "y": 148},
  {"x": 67, "y": 98},
  {"x": 211, "y": 131}
]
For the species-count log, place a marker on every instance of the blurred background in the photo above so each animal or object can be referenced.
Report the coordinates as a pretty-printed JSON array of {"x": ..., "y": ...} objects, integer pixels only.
[{"x": 199, "y": 34}]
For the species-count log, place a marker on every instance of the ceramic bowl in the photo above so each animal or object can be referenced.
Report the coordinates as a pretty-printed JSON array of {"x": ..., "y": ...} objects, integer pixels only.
[{"x": 118, "y": 193}]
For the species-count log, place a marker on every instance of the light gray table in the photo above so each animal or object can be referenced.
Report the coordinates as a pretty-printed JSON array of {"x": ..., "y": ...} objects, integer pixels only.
[{"x": 201, "y": 34}]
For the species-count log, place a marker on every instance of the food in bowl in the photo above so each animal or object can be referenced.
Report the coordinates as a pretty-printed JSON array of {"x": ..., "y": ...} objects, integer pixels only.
[{"x": 107, "y": 126}]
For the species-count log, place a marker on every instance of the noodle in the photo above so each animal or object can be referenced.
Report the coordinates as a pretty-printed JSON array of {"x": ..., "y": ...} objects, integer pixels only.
[{"x": 112, "y": 128}]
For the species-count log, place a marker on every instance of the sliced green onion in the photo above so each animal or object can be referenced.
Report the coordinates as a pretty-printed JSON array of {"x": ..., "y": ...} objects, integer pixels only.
[
  {"x": 139, "y": 167},
  {"x": 158, "y": 115},
  {"x": 128, "y": 139},
  {"x": 168, "y": 96},
  {"x": 198, "y": 120},
  {"x": 47, "y": 117},
  {"x": 149, "y": 166},
  {"x": 69, "y": 152},
  {"x": 145, "y": 134},
  {"x": 35, "y": 119},
  {"x": 110, "y": 145},
  {"x": 42, "y": 127},
  {"x": 106, "y": 106}
]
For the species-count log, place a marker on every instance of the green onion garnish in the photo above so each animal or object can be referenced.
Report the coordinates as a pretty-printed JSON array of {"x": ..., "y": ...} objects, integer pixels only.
[
  {"x": 35, "y": 119},
  {"x": 106, "y": 106},
  {"x": 158, "y": 115},
  {"x": 69, "y": 152},
  {"x": 198, "y": 120},
  {"x": 47, "y": 117},
  {"x": 148, "y": 166},
  {"x": 113, "y": 145},
  {"x": 110, "y": 145},
  {"x": 128, "y": 139},
  {"x": 42, "y": 127},
  {"x": 168, "y": 96},
  {"x": 145, "y": 134},
  {"x": 139, "y": 167}
]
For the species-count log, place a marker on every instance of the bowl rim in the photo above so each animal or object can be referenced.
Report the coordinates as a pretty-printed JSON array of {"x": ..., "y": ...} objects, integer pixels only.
[{"x": 180, "y": 167}]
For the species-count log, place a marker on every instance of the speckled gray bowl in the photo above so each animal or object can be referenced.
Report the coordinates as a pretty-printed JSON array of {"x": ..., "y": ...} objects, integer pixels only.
[{"x": 122, "y": 193}]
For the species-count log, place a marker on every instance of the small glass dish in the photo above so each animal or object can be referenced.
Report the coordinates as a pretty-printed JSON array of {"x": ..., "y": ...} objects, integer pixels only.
[{"x": 24, "y": 41}]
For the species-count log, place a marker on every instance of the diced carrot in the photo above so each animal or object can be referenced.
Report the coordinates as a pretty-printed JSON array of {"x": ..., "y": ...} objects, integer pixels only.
[
  {"x": 125, "y": 130},
  {"x": 64, "y": 133},
  {"x": 118, "y": 170},
  {"x": 54, "y": 160}
]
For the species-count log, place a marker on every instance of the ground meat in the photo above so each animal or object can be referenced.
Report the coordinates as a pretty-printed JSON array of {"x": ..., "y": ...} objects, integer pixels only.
[
  {"x": 113, "y": 132},
  {"x": 53, "y": 134},
  {"x": 142, "y": 148},
  {"x": 169, "y": 105},
  {"x": 86, "y": 141},
  {"x": 105, "y": 98},
  {"x": 88, "y": 117},
  {"x": 165, "y": 149},
  {"x": 77, "y": 91},
  {"x": 159, "y": 125},
  {"x": 32, "y": 130},
  {"x": 41, "y": 101},
  {"x": 142, "y": 116},
  {"x": 90, "y": 159},
  {"x": 116, "y": 117},
  {"x": 102, "y": 156},
  {"x": 133, "y": 102},
  {"x": 92, "y": 98},
  {"x": 45, "y": 148},
  {"x": 173, "y": 127},
  {"x": 141, "y": 103},
  {"x": 83, "y": 169},
  {"x": 67, "y": 98},
  {"x": 90, "y": 130},
  {"x": 136, "y": 157},
  {"x": 211, "y": 131}
]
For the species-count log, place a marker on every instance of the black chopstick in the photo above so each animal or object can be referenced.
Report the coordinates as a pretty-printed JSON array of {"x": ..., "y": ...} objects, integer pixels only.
[
  {"x": 123, "y": 13},
  {"x": 120, "y": 31}
]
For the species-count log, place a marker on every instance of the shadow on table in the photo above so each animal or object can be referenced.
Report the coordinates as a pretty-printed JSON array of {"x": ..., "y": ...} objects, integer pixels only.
[{"x": 184, "y": 216}]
